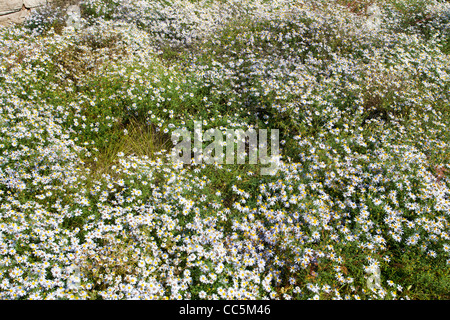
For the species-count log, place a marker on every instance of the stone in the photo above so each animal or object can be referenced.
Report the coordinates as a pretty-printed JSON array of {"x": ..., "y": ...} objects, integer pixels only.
[
  {"x": 15, "y": 11},
  {"x": 34, "y": 3},
  {"x": 15, "y": 17},
  {"x": 10, "y": 6}
]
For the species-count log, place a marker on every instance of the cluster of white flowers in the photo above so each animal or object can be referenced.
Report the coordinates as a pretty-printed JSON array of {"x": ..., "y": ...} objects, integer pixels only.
[{"x": 87, "y": 213}]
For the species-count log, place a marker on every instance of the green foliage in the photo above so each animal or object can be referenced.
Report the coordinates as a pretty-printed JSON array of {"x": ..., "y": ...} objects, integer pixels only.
[{"x": 86, "y": 177}]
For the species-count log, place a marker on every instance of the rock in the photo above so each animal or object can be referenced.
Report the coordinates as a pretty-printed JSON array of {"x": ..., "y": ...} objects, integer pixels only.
[
  {"x": 15, "y": 17},
  {"x": 34, "y": 3},
  {"x": 15, "y": 11},
  {"x": 10, "y": 6}
]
